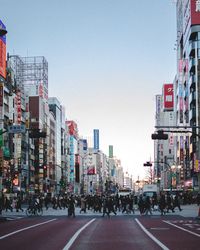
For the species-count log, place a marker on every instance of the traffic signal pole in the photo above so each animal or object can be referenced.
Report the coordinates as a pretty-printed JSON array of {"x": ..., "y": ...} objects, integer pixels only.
[{"x": 149, "y": 164}]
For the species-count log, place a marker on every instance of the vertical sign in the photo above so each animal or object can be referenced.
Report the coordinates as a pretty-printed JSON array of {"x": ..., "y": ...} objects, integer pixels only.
[
  {"x": 96, "y": 139},
  {"x": 168, "y": 97},
  {"x": 1, "y": 94},
  {"x": 110, "y": 151},
  {"x": 2, "y": 52},
  {"x": 85, "y": 144}
]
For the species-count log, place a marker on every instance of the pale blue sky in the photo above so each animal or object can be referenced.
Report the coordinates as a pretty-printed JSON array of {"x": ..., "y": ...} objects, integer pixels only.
[{"x": 107, "y": 61}]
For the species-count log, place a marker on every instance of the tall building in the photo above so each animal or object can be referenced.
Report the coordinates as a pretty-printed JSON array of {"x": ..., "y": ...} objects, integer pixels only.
[
  {"x": 164, "y": 149},
  {"x": 29, "y": 91},
  {"x": 187, "y": 89},
  {"x": 55, "y": 108}
]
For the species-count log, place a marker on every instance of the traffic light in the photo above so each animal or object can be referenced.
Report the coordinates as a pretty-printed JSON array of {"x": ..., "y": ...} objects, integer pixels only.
[
  {"x": 147, "y": 164},
  {"x": 159, "y": 136},
  {"x": 35, "y": 133}
]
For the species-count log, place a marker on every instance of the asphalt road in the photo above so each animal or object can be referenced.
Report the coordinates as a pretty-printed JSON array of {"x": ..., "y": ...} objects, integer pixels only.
[{"x": 96, "y": 233}]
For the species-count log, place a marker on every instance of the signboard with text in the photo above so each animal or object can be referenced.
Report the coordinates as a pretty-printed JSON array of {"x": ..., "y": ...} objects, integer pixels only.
[
  {"x": 168, "y": 94},
  {"x": 2, "y": 52}
]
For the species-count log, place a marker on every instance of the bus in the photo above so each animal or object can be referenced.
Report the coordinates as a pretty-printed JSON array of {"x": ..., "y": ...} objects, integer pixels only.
[{"x": 124, "y": 191}]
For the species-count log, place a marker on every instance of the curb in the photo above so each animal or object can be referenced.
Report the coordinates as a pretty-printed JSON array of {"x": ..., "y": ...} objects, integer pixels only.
[{"x": 2, "y": 219}]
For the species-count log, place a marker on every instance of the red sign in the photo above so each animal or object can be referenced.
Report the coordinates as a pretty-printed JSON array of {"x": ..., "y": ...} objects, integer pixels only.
[
  {"x": 72, "y": 127},
  {"x": 195, "y": 12},
  {"x": 2, "y": 59},
  {"x": 91, "y": 170},
  {"x": 2, "y": 52},
  {"x": 168, "y": 97}
]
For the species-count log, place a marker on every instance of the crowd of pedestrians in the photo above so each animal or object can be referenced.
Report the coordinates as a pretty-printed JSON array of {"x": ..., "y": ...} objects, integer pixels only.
[
  {"x": 104, "y": 204},
  {"x": 164, "y": 203}
]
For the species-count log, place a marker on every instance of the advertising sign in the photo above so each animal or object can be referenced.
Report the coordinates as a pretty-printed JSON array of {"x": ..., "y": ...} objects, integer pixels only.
[
  {"x": 195, "y": 12},
  {"x": 2, "y": 52},
  {"x": 96, "y": 139},
  {"x": 110, "y": 151},
  {"x": 91, "y": 170},
  {"x": 72, "y": 127},
  {"x": 168, "y": 97},
  {"x": 1, "y": 95}
]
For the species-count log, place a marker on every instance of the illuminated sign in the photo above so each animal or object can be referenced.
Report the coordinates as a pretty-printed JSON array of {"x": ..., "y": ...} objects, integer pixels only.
[{"x": 2, "y": 52}]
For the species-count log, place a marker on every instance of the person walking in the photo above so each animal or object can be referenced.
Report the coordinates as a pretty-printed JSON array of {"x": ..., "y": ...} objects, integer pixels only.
[
  {"x": 83, "y": 204},
  {"x": 1, "y": 202},
  {"x": 8, "y": 204},
  {"x": 148, "y": 206},
  {"x": 169, "y": 203},
  {"x": 105, "y": 207},
  {"x": 177, "y": 202},
  {"x": 71, "y": 206},
  {"x": 19, "y": 204},
  {"x": 141, "y": 205},
  {"x": 162, "y": 204}
]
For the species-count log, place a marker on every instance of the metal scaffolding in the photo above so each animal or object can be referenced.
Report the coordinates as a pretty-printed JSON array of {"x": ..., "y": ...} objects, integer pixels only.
[{"x": 30, "y": 71}]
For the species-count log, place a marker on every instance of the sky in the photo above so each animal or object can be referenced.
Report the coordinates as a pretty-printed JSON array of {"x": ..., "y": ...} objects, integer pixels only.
[{"x": 107, "y": 59}]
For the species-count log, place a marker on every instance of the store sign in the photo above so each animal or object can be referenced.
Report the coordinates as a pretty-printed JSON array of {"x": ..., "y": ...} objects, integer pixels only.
[
  {"x": 2, "y": 52},
  {"x": 16, "y": 129},
  {"x": 1, "y": 95},
  {"x": 168, "y": 97}
]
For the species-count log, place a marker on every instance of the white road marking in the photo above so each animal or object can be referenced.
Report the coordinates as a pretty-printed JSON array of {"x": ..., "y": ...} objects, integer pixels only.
[
  {"x": 159, "y": 228},
  {"x": 188, "y": 231},
  {"x": 151, "y": 236},
  {"x": 74, "y": 237},
  {"x": 26, "y": 228}
]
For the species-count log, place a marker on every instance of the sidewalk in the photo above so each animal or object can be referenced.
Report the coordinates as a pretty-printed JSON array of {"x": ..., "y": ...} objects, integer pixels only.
[{"x": 187, "y": 211}]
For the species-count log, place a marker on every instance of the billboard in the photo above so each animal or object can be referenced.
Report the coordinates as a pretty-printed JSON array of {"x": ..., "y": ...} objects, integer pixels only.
[
  {"x": 168, "y": 94},
  {"x": 96, "y": 139},
  {"x": 195, "y": 12},
  {"x": 2, "y": 52},
  {"x": 72, "y": 128},
  {"x": 91, "y": 170}
]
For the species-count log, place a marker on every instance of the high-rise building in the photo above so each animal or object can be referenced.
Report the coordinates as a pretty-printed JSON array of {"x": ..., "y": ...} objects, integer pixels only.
[{"x": 187, "y": 89}]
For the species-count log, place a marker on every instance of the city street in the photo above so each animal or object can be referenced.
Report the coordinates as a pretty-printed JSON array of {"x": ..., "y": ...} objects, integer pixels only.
[{"x": 54, "y": 230}]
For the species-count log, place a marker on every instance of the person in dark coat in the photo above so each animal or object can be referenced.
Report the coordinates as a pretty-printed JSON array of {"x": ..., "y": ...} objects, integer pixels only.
[
  {"x": 8, "y": 205},
  {"x": 147, "y": 205},
  {"x": 1, "y": 202},
  {"x": 19, "y": 204},
  {"x": 177, "y": 202},
  {"x": 169, "y": 203},
  {"x": 71, "y": 206},
  {"x": 106, "y": 207},
  {"x": 141, "y": 205},
  {"x": 162, "y": 204}
]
